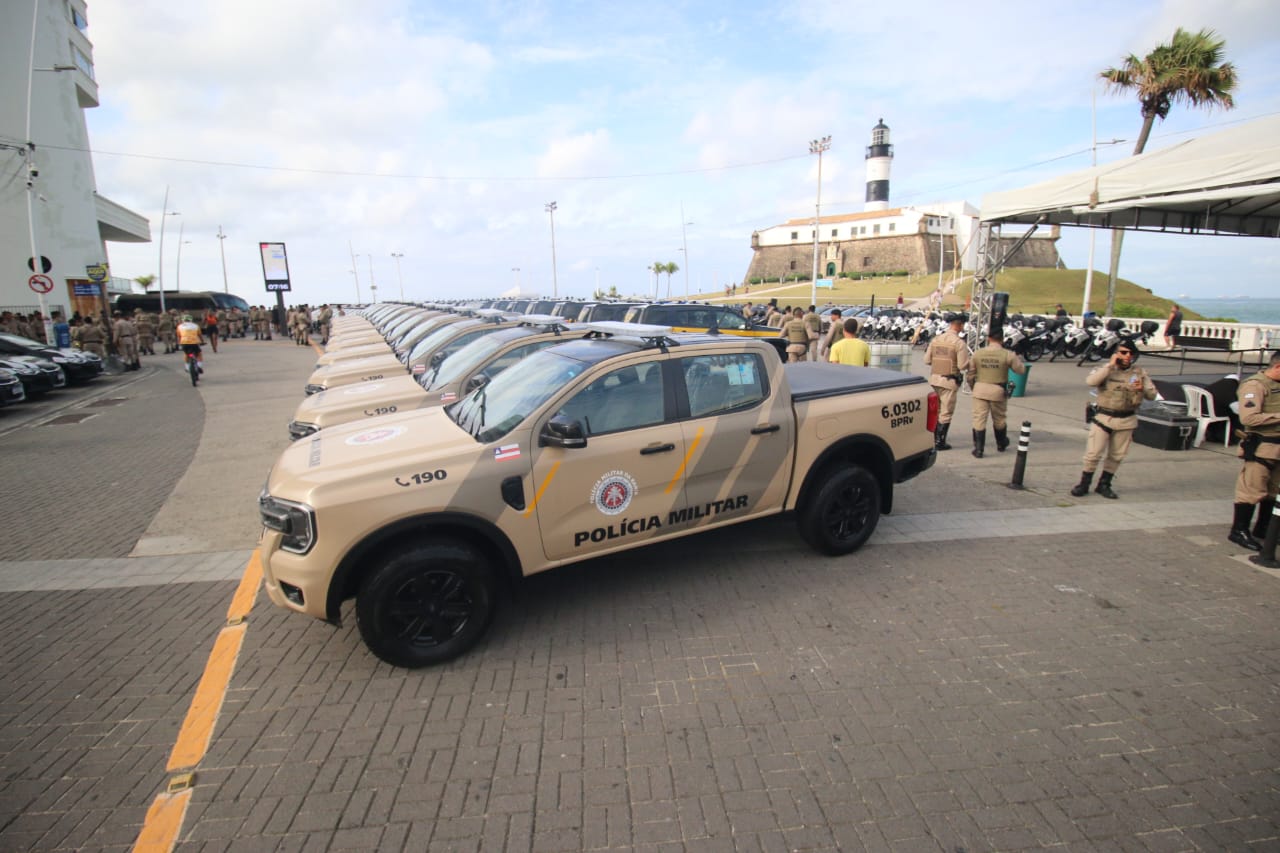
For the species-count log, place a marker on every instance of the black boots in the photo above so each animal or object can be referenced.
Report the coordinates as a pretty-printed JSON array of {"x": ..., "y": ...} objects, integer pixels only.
[
  {"x": 1002, "y": 438},
  {"x": 1239, "y": 534},
  {"x": 1104, "y": 486},
  {"x": 1265, "y": 509},
  {"x": 979, "y": 443},
  {"x": 940, "y": 436},
  {"x": 1081, "y": 489}
]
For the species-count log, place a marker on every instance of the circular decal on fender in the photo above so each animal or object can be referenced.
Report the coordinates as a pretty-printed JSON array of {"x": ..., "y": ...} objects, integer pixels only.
[
  {"x": 374, "y": 436},
  {"x": 613, "y": 492},
  {"x": 366, "y": 388}
]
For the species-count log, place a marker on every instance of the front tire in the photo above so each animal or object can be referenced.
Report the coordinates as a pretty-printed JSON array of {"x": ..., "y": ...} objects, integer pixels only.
[
  {"x": 842, "y": 514},
  {"x": 426, "y": 604},
  {"x": 1035, "y": 351}
]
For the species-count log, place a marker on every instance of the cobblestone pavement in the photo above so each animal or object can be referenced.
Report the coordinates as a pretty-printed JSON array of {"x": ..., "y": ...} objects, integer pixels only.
[
  {"x": 88, "y": 488},
  {"x": 997, "y": 670}
]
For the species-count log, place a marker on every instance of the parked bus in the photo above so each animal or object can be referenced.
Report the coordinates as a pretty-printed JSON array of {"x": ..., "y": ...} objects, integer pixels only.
[{"x": 185, "y": 301}]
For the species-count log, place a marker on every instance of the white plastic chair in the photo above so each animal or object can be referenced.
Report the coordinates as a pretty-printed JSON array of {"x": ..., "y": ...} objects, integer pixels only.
[{"x": 1200, "y": 407}]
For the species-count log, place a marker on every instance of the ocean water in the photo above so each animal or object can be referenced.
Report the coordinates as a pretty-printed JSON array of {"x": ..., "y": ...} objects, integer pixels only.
[{"x": 1265, "y": 311}]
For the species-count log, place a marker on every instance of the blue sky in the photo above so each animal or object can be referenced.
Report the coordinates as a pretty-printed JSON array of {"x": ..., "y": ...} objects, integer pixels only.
[{"x": 440, "y": 131}]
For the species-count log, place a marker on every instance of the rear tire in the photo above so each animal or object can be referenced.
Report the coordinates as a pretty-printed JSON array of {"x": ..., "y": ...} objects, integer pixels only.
[
  {"x": 843, "y": 513},
  {"x": 426, "y": 604},
  {"x": 194, "y": 370},
  {"x": 1035, "y": 351}
]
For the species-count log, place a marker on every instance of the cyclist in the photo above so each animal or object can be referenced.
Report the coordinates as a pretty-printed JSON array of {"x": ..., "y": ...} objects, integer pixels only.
[{"x": 190, "y": 338}]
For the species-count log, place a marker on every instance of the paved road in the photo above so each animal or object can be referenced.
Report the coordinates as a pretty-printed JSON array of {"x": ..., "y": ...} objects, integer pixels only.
[{"x": 996, "y": 670}]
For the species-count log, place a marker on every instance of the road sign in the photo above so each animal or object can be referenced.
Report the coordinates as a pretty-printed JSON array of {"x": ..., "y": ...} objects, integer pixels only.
[
  {"x": 45, "y": 264},
  {"x": 40, "y": 283},
  {"x": 96, "y": 272}
]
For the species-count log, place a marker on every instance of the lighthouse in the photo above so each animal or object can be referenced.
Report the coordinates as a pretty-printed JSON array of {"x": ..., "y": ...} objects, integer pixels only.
[{"x": 879, "y": 159}]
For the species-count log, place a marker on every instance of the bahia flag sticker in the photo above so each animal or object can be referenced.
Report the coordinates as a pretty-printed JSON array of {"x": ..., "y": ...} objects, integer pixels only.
[
  {"x": 506, "y": 451},
  {"x": 448, "y": 397}
]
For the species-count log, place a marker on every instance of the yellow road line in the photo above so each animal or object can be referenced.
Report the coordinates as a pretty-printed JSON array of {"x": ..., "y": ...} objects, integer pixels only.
[
  {"x": 689, "y": 455},
  {"x": 197, "y": 728},
  {"x": 164, "y": 818},
  {"x": 542, "y": 488},
  {"x": 316, "y": 348},
  {"x": 163, "y": 822},
  {"x": 247, "y": 592}
]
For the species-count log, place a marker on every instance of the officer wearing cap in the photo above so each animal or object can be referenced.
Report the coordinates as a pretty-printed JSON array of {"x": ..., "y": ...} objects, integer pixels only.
[
  {"x": 1121, "y": 388},
  {"x": 988, "y": 373},
  {"x": 1258, "y": 399},
  {"x": 949, "y": 357}
]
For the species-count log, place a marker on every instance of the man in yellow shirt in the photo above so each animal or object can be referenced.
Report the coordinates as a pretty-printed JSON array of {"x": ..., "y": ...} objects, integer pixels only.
[{"x": 851, "y": 350}]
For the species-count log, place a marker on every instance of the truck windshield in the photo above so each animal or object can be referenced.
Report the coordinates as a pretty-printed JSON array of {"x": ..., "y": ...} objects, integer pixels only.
[
  {"x": 473, "y": 354},
  {"x": 491, "y": 412}
]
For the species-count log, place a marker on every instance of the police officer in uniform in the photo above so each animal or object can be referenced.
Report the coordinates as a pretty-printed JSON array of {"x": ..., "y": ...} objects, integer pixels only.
[
  {"x": 326, "y": 323},
  {"x": 92, "y": 338},
  {"x": 1121, "y": 387},
  {"x": 949, "y": 357},
  {"x": 988, "y": 373},
  {"x": 164, "y": 329},
  {"x": 146, "y": 332},
  {"x": 125, "y": 336},
  {"x": 797, "y": 334},
  {"x": 1259, "y": 401}
]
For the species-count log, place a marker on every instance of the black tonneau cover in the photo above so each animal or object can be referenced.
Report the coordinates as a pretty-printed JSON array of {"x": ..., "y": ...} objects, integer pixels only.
[{"x": 812, "y": 380}]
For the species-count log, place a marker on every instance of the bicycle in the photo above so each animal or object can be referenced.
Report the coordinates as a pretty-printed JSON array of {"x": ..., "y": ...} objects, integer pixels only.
[{"x": 192, "y": 358}]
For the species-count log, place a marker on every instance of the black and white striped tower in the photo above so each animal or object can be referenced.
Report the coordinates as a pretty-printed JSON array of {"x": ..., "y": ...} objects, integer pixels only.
[{"x": 879, "y": 159}]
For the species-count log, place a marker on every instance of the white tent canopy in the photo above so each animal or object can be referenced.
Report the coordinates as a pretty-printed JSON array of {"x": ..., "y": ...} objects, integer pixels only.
[{"x": 1224, "y": 183}]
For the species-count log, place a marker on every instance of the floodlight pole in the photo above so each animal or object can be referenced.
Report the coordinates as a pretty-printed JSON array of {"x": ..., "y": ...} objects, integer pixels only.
[
  {"x": 551, "y": 210},
  {"x": 222, "y": 251},
  {"x": 399, "y": 275},
  {"x": 817, "y": 146}
]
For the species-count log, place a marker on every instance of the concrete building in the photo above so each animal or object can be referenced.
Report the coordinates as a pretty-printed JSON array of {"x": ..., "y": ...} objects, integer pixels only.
[
  {"x": 882, "y": 239},
  {"x": 72, "y": 223}
]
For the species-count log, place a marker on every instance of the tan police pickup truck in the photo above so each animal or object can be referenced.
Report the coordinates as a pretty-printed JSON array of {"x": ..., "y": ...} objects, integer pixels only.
[{"x": 582, "y": 449}]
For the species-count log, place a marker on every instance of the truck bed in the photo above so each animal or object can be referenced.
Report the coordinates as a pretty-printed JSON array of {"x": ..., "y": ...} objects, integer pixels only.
[{"x": 815, "y": 380}]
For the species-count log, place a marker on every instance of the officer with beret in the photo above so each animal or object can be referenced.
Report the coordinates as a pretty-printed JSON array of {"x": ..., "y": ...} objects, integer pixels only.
[
  {"x": 1121, "y": 388},
  {"x": 1258, "y": 399},
  {"x": 948, "y": 356}
]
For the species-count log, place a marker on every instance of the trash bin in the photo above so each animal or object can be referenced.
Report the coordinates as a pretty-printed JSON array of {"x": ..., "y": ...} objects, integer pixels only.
[{"x": 1019, "y": 381}]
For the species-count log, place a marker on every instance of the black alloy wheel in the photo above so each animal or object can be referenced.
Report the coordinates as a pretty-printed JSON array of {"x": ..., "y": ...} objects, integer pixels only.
[{"x": 843, "y": 513}]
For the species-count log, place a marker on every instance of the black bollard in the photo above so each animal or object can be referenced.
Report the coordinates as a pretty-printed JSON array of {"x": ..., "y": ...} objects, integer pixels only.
[
  {"x": 1267, "y": 556},
  {"x": 1020, "y": 464}
]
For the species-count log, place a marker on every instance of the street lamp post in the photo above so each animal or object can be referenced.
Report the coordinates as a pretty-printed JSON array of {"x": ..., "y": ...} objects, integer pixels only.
[
  {"x": 181, "y": 243},
  {"x": 399, "y": 275},
  {"x": 354, "y": 272},
  {"x": 222, "y": 250},
  {"x": 551, "y": 210},
  {"x": 165, "y": 213},
  {"x": 817, "y": 146},
  {"x": 684, "y": 243},
  {"x": 516, "y": 270},
  {"x": 373, "y": 285}
]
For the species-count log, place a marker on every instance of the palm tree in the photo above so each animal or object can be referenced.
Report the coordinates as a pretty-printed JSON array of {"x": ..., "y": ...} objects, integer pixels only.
[
  {"x": 146, "y": 281},
  {"x": 656, "y": 268},
  {"x": 1188, "y": 69},
  {"x": 670, "y": 269}
]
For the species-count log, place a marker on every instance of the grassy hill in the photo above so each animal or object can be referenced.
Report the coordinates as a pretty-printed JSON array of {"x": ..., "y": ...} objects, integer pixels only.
[{"x": 1031, "y": 291}]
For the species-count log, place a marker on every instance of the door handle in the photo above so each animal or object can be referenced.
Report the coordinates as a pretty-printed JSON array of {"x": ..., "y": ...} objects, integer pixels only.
[
  {"x": 656, "y": 448},
  {"x": 767, "y": 428}
]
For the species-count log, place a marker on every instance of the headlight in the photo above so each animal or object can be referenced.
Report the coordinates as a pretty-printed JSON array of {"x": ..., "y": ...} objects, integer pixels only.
[
  {"x": 294, "y": 521},
  {"x": 299, "y": 430},
  {"x": 313, "y": 389}
]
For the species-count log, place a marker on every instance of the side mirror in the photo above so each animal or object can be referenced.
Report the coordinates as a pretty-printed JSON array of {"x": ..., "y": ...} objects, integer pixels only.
[
  {"x": 437, "y": 359},
  {"x": 478, "y": 381},
  {"x": 562, "y": 431}
]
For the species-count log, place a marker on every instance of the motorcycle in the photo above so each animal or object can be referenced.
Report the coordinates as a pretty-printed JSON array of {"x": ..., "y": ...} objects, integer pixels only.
[
  {"x": 1106, "y": 340},
  {"x": 1074, "y": 339}
]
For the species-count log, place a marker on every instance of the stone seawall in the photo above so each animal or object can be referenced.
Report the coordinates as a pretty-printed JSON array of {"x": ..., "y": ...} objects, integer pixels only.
[{"x": 913, "y": 253}]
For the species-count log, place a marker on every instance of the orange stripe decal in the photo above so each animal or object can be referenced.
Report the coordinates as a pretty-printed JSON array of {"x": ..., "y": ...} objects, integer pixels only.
[
  {"x": 689, "y": 455},
  {"x": 163, "y": 821},
  {"x": 542, "y": 488}
]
